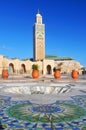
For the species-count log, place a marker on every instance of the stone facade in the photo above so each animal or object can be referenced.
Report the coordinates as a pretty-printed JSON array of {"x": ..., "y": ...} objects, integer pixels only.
[{"x": 17, "y": 67}]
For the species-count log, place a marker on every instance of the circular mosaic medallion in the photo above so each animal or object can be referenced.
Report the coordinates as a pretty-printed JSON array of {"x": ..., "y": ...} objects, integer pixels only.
[{"x": 46, "y": 109}]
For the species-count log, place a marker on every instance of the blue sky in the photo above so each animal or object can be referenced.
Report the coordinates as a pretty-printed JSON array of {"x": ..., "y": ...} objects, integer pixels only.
[{"x": 65, "y": 25}]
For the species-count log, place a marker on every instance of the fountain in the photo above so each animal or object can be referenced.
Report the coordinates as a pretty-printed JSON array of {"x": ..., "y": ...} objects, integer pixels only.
[{"x": 35, "y": 88}]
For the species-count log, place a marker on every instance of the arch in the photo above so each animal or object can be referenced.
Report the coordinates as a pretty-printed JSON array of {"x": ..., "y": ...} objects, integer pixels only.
[
  {"x": 11, "y": 68},
  {"x": 48, "y": 69},
  {"x": 23, "y": 68}
]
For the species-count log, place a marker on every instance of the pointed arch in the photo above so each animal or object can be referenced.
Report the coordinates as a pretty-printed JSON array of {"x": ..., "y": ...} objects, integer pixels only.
[
  {"x": 11, "y": 68},
  {"x": 23, "y": 68},
  {"x": 48, "y": 69}
]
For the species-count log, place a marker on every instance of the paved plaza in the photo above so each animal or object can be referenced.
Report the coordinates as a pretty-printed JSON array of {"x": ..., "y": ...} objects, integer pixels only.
[{"x": 43, "y": 104}]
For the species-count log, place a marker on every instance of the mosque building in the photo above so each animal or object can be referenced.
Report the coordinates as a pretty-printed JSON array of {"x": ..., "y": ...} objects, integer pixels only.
[{"x": 46, "y": 63}]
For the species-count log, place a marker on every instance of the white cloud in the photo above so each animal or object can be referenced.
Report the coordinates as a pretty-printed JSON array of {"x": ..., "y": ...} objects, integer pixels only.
[{"x": 4, "y": 47}]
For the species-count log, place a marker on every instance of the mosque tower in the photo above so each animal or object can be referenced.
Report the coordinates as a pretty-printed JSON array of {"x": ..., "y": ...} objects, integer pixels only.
[{"x": 38, "y": 38}]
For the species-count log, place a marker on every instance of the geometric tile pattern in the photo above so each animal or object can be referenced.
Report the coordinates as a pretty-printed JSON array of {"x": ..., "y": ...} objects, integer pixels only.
[{"x": 61, "y": 115}]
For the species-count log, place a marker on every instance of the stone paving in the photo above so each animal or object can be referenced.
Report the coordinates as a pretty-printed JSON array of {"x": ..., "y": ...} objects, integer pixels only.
[{"x": 44, "y": 104}]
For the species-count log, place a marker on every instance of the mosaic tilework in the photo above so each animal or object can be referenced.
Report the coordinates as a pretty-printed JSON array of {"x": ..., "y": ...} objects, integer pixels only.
[{"x": 61, "y": 115}]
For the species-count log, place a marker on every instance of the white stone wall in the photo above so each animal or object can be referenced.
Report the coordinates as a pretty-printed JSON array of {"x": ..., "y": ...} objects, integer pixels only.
[{"x": 67, "y": 66}]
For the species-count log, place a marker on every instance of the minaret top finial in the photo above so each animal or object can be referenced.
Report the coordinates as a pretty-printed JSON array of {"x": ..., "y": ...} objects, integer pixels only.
[
  {"x": 38, "y": 14},
  {"x": 38, "y": 11}
]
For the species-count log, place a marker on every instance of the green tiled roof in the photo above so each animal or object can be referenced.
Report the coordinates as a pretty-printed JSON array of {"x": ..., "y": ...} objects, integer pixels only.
[{"x": 54, "y": 57}]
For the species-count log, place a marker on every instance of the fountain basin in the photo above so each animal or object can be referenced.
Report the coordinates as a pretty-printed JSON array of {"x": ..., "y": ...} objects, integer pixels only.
[{"x": 38, "y": 88}]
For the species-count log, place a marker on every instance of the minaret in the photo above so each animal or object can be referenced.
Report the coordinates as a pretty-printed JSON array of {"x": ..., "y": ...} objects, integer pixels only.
[{"x": 38, "y": 38}]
